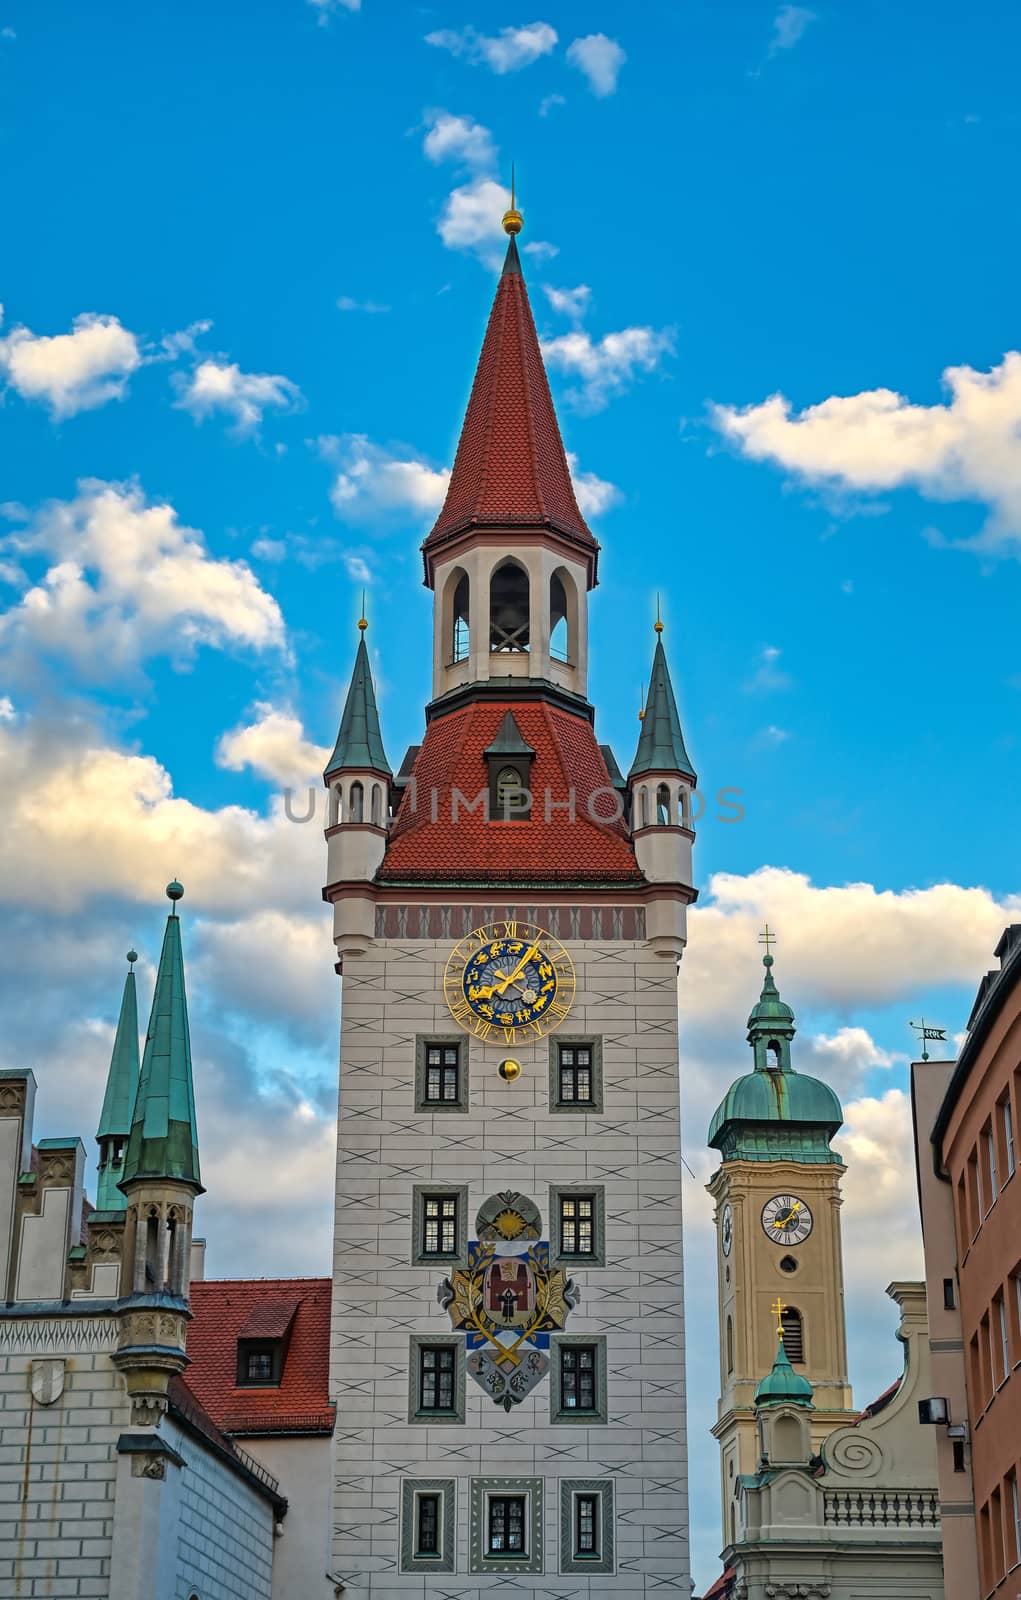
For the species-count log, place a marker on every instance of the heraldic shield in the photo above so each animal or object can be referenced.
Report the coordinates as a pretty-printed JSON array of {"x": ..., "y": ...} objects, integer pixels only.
[{"x": 508, "y": 1299}]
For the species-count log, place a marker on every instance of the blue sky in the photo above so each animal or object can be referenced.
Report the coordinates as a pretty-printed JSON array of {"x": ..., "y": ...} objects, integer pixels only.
[{"x": 267, "y": 235}]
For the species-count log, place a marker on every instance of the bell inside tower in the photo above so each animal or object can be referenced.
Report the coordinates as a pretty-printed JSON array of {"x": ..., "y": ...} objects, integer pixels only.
[{"x": 508, "y": 609}]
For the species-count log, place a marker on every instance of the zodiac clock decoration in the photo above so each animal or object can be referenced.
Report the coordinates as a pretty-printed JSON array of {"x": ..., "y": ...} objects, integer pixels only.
[{"x": 509, "y": 982}]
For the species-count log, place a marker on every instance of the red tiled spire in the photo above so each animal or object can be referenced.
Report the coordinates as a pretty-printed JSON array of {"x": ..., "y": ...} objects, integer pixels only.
[{"x": 510, "y": 469}]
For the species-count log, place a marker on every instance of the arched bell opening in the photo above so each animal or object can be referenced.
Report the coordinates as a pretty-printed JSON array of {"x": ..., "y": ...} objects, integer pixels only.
[
  {"x": 563, "y": 619},
  {"x": 509, "y": 609},
  {"x": 663, "y": 817},
  {"x": 460, "y": 630}
]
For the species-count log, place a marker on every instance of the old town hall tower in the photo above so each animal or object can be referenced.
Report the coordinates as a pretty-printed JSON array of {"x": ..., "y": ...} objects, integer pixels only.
[{"x": 509, "y": 912}]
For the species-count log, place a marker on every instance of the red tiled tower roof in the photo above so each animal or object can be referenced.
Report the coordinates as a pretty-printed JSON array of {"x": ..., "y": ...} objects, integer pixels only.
[
  {"x": 435, "y": 838},
  {"x": 225, "y": 1310},
  {"x": 510, "y": 469}
]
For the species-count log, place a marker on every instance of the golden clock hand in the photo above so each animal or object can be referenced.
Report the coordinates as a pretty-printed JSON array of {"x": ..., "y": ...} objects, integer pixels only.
[{"x": 501, "y": 984}]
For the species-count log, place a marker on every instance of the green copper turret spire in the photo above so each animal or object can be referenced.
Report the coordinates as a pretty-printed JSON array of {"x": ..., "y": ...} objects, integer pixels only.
[
  {"x": 783, "y": 1386},
  {"x": 164, "y": 1142},
  {"x": 775, "y": 1113},
  {"x": 661, "y": 742},
  {"x": 359, "y": 742},
  {"x": 118, "y": 1102}
]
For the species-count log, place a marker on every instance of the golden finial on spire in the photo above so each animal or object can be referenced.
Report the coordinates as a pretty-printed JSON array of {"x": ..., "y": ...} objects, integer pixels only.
[
  {"x": 513, "y": 221},
  {"x": 658, "y": 624},
  {"x": 768, "y": 938},
  {"x": 778, "y": 1308},
  {"x": 363, "y": 621},
  {"x": 641, "y": 702}
]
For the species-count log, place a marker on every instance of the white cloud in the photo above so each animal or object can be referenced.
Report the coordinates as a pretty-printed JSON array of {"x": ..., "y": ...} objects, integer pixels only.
[
  {"x": 600, "y": 59},
  {"x": 372, "y": 307},
  {"x": 124, "y": 580},
  {"x": 541, "y": 250},
  {"x": 222, "y": 386},
  {"x": 270, "y": 549},
  {"x": 471, "y": 219},
  {"x": 772, "y": 735},
  {"x": 606, "y": 367},
  {"x": 74, "y": 371},
  {"x": 573, "y": 303},
  {"x": 274, "y": 746},
  {"x": 508, "y": 51},
  {"x": 594, "y": 495},
  {"x": 966, "y": 449},
  {"x": 844, "y": 1058},
  {"x": 789, "y": 24},
  {"x": 768, "y": 676},
  {"x": 7, "y": 711},
  {"x": 182, "y": 343},
  {"x": 326, "y": 8},
  {"x": 549, "y": 103},
  {"x": 371, "y": 479},
  {"x": 454, "y": 138},
  {"x": 358, "y": 569}
]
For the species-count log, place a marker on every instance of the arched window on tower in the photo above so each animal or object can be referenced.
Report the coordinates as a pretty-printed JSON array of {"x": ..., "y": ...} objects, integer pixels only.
[
  {"x": 512, "y": 799},
  {"x": 560, "y": 641},
  {"x": 377, "y": 805},
  {"x": 793, "y": 1335},
  {"x": 730, "y": 1345},
  {"x": 356, "y": 809},
  {"x": 461, "y": 639},
  {"x": 643, "y": 807},
  {"x": 774, "y": 1056},
  {"x": 508, "y": 609},
  {"x": 663, "y": 805},
  {"x": 683, "y": 807}
]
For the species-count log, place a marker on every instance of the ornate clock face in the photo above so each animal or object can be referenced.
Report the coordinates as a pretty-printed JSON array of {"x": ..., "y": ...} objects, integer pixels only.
[
  {"x": 509, "y": 982},
  {"x": 727, "y": 1229},
  {"x": 786, "y": 1219}
]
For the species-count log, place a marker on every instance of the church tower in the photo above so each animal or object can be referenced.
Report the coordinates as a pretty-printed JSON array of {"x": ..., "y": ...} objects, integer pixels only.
[
  {"x": 777, "y": 1194},
  {"x": 508, "y": 1340}
]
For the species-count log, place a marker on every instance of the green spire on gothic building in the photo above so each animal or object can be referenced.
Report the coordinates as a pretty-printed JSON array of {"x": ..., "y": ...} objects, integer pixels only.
[
  {"x": 661, "y": 742},
  {"x": 119, "y": 1100},
  {"x": 359, "y": 742},
  {"x": 775, "y": 1113},
  {"x": 163, "y": 1142}
]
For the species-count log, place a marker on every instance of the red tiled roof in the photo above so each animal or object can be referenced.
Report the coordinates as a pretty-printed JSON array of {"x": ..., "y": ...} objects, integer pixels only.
[
  {"x": 722, "y": 1585},
  {"x": 510, "y": 467},
  {"x": 223, "y": 1311},
  {"x": 461, "y": 846}
]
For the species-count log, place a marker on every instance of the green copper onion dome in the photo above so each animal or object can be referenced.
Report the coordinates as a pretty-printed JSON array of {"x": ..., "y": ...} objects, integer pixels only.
[
  {"x": 775, "y": 1113},
  {"x": 783, "y": 1386}
]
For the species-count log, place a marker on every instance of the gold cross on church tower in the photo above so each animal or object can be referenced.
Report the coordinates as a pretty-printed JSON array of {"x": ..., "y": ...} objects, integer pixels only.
[
  {"x": 767, "y": 938},
  {"x": 778, "y": 1308}
]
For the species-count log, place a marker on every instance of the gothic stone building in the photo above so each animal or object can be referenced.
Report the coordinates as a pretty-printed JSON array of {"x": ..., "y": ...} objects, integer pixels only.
[{"x": 508, "y": 1335}]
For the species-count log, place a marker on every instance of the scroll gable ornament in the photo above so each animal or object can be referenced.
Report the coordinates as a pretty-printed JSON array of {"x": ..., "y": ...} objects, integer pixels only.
[{"x": 508, "y": 1299}]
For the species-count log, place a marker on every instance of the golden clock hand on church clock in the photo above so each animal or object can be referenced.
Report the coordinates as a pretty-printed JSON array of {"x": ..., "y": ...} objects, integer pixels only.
[{"x": 785, "y": 1222}]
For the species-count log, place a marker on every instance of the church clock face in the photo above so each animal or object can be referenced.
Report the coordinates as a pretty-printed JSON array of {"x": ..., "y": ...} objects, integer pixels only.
[
  {"x": 727, "y": 1228},
  {"x": 509, "y": 982},
  {"x": 786, "y": 1219}
]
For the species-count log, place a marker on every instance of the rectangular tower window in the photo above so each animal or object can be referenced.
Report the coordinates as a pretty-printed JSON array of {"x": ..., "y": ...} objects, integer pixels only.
[
  {"x": 442, "y": 1074},
  {"x": 436, "y": 1377},
  {"x": 578, "y": 1377},
  {"x": 427, "y": 1525},
  {"x": 577, "y": 1217},
  {"x": 586, "y": 1526},
  {"x": 575, "y": 1074},
  {"x": 793, "y": 1334},
  {"x": 505, "y": 1526},
  {"x": 990, "y": 1144},
  {"x": 948, "y": 1294},
  {"x": 439, "y": 1225}
]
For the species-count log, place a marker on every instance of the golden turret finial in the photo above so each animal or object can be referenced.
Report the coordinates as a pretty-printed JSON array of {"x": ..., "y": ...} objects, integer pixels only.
[
  {"x": 513, "y": 221},
  {"x": 658, "y": 624},
  {"x": 641, "y": 702},
  {"x": 363, "y": 621},
  {"x": 778, "y": 1308}
]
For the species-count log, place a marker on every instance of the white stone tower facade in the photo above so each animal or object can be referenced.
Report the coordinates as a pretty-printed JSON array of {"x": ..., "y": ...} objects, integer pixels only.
[{"x": 508, "y": 1332}]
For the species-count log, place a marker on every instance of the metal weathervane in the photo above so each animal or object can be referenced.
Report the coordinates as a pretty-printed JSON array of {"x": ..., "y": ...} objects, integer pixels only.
[{"x": 926, "y": 1034}]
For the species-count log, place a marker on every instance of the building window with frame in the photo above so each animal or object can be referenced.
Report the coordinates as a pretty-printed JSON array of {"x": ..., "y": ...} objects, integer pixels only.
[
  {"x": 436, "y": 1378},
  {"x": 577, "y": 1225},
  {"x": 427, "y": 1525},
  {"x": 1006, "y": 1117},
  {"x": 505, "y": 1525},
  {"x": 989, "y": 1140},
  {"x": 793, "y": 1335},
  {"x": 439, "y": 1225},
  {"x": 578, "y": 1372},
  {"x": 575, "y": 1074},
  {"x": 259, "y": 1366},
  {"x": 586, "y": 1527},
  {"x": 442, "y": 1077}
]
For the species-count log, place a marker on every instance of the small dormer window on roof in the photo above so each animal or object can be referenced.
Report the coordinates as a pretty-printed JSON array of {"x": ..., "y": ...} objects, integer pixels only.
[
  {"x": 509, "y": 759},
  {"x": 262, "y": 1344}
]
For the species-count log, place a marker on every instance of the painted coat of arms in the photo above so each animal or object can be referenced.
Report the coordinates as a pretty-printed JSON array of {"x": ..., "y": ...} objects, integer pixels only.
[{"x": 508, "y": 1299}]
